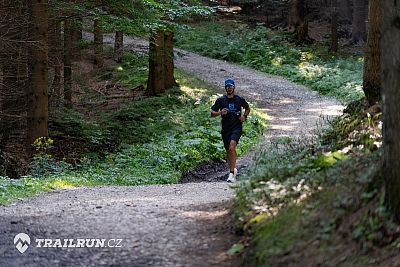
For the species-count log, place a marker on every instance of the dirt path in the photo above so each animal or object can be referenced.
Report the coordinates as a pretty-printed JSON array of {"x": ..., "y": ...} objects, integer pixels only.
[{"x": 162, "y": 225}]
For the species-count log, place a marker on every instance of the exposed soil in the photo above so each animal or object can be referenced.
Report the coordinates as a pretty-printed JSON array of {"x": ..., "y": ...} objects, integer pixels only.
[
  {"x": 185, "y": 224},
  {"x": 213, "y": 171}
]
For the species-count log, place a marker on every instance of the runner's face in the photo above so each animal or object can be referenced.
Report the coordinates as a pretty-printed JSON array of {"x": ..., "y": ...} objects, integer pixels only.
[{"x": 230, "y": 89}]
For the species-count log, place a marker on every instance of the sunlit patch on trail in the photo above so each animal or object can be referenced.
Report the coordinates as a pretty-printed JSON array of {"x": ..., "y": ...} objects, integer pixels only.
[
  {"x": 207, "y": 215},
  {"x": 334, "y": 110}
]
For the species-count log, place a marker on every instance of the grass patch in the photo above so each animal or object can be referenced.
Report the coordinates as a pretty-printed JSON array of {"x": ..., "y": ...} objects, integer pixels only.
[
  {"x": 133, "y": 71},
  {"x": 274, "y": 53},
  {"x": 13, "y": 189},
  {"x": 276, "y": 235},
  {"x": 303, "y": 208},
  {"x": 155, "y": 140}
]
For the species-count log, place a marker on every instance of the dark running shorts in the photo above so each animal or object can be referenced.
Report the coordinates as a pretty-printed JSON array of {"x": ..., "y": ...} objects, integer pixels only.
[{"x": 233, "y": 135}]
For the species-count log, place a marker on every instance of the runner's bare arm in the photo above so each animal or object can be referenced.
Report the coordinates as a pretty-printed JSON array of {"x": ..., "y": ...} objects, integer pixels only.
[
  {"x": 218, "y": 113},
  {"x": 246, "y": 113}
]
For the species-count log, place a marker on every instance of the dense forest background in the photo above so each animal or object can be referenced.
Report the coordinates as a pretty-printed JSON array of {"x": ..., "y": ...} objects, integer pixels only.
[
  {"x": 61, "y": 24},
  {"x": 76, "y": 110}
]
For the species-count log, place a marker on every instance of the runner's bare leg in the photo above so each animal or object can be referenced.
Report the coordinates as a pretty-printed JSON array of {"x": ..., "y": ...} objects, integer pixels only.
[{"x": 231, "y": 155}]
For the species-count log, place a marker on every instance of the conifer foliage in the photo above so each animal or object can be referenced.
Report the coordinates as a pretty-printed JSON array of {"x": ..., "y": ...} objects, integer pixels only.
[{"x": 40, "y": 43}]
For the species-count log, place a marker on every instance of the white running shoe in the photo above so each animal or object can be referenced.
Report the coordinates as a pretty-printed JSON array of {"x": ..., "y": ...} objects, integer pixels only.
[{"x": 232, "y": 176}]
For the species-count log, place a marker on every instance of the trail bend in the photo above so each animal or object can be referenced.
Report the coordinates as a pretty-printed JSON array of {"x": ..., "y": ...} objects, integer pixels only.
[{"x": 160, "y": 225}]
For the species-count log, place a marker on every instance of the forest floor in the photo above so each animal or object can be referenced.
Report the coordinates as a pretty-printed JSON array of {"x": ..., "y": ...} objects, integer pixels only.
[{"x": 184, "y": 224}]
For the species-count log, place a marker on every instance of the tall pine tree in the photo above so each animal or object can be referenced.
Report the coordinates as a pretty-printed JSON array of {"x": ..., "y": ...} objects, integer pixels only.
[{"x": 391, "y": 100}]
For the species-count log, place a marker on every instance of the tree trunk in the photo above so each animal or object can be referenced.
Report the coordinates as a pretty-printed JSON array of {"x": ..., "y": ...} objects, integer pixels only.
[
  {"x": 155, "y": 81},
  {"x": 68, "y": 64},
  {"x": 76, "y": 39},
  {"x": 345, "y": 11},
  {"x": 98, "y": 44},
  {"x": 297, "y": 22},
  {"x": 391, "y": 107},
  {"x": 55, "y": 58},
  {"x": 118, "y": 46},
  {"x": 169, "y": 79},
  {"x": 37, "y": 101},
  {"x": 372, "y": 66},
  {"x": 295, "y": 15},
  {"x": 334, "y": 21},
  {"x": 360, "y": 15}
]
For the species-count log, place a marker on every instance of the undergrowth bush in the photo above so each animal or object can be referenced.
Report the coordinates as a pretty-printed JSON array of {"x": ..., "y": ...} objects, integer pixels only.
[
  {"x": 132, "y": 71},
  {"x": 301, "y": 190}
]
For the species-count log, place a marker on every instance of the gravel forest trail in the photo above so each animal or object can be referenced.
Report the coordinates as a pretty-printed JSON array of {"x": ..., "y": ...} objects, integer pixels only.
[{"x": 160, "y": 225}]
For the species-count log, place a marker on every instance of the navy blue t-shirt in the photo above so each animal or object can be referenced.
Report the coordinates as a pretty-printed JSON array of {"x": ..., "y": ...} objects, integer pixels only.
[{"x": 234, "y": 105}]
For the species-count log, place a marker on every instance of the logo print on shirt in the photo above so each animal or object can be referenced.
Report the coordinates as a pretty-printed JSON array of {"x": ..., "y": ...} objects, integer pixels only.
[{"x": 231, "y": 107}]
